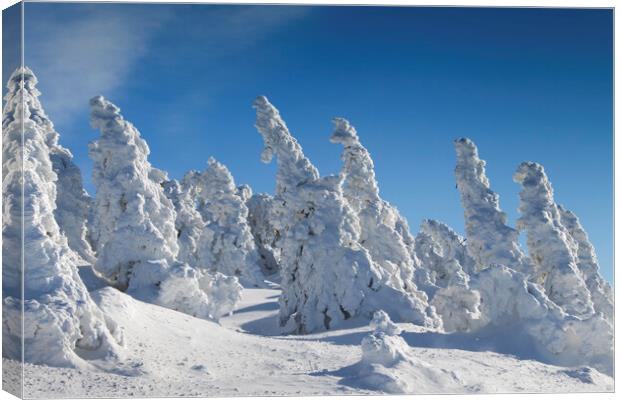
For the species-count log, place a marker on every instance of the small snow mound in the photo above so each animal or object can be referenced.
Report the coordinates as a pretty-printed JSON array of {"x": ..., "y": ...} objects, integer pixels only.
[
  {"x": 388, "y": 366},
  {"x": 381, "y": 322}
]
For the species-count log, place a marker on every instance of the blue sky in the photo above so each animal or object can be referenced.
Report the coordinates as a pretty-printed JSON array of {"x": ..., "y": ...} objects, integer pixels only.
[{"x": 524, "y": 84}]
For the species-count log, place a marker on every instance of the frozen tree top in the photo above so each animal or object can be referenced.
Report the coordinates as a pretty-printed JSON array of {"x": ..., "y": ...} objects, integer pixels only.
[
  {"x": 358, "y": 170},
  {"x": 551, "y": 246},
  {"x": 489, "y": 239},
  {"x": 293, "y": 166}
]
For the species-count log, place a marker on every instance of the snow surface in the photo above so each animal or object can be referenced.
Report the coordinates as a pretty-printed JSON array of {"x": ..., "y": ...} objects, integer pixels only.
[{"x": 244, "y": 357}]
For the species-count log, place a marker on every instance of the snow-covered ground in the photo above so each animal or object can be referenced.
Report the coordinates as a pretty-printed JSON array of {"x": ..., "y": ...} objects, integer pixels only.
[{"x": 245, "y": 356}]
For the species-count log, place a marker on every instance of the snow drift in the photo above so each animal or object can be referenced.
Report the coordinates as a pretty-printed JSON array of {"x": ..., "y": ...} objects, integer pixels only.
[{"x": 388, "y": 366}]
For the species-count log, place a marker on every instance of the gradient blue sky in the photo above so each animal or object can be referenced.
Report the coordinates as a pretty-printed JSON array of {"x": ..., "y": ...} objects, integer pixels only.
[{"x": 524, "y": 84}]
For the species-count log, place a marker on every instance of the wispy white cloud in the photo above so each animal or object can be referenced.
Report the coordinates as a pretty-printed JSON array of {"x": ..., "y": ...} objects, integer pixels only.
[{"x": 77, "y": 58}]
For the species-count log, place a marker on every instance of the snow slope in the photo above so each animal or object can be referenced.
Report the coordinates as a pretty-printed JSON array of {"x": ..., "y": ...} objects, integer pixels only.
[{"x": 244, "y": 356}]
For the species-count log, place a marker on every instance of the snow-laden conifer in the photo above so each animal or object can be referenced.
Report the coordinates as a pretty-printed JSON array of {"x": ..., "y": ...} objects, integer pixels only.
[
  {"x": 489, "y": 239},
  {"x": 587, "y": 262},
  {"x": 552, "y": 248},
  {"x": 72, "y": 201},
  {"x": 189, "y": 224},
  {"x": 383, "y": 231},
  {"x": 133, "y": 220},
  {"x": 443, "y": 256},
  {"x": 62, "y": 326},
  {"x": 137, "y": 235},
  {"x": 231, "y": 250},
  {"x": 327, "y": 276}
]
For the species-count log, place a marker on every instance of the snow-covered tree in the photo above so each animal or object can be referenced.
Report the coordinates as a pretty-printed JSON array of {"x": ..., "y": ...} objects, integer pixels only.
[
  {"x": 516, "y": 311},
  {"x": 133, "y": 220},
  {"x": 137, "y": 235},
  {"x": 489, "y": 239},
  {"x": 189, "y": 224},
  {"x": 587, "y": 262},
  {"x": 260, "y": 218},
  {"x": 443, "y": 255},
  {"x": 232, "y": 250},
  {"x": 327, "y": 276},
  {"x": 552, "y": 248},
  {"x": 62, "y": 326},
  {"x": 384, "y": 232},
  {"x": 72, "y": 201}
]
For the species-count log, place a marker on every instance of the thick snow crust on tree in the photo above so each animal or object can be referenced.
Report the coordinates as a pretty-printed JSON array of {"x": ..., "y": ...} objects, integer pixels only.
[
  {"x": 327, "y": 276},
  {"x": 133, "y": 220},
  {"x": 587, "y": 262},
  {"x": 550, "y": 316},
  {"x": 62, "y": 326},
  {"x": 515, "y": 308},
  {"x": 72, "y": 201},
  {"x": 137, "y": 236},
  {"x": 553, "y": 250},
  {"x": 443, "y": 255},
  {"x": 489, "y": 239},
  {"x": 383, "y": 231},
  {"x": 183, "y": 288},
  {"x": 231, "y": 249},
  {"x": 189, "y": 224},
  {"x": 261, "y": 213}
]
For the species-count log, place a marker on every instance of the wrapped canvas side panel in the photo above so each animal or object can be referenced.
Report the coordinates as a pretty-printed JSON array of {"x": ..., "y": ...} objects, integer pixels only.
[{"x": 12, "y": 217}]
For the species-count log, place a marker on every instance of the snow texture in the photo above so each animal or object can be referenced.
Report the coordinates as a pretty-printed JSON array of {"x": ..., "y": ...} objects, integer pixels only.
[
  {"x": 327, "y": 276},
  {"x": 551, "y": 246},
  {"x": 231, "y": 249},
  {"x": 62, "y": 326},
  {"x": 489, "y": 239}
]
